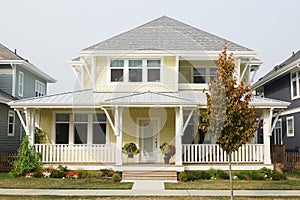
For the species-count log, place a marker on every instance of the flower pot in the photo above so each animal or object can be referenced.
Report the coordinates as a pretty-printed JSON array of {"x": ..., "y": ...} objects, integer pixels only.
[
  {"x": 167, "y": 159},
  {"x": 130, "y": 154}
]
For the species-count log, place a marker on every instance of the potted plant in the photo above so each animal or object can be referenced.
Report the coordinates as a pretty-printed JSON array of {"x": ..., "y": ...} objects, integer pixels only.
[
  {"x": 168, "y": 151},
  {"x": 130, "y": 149}
]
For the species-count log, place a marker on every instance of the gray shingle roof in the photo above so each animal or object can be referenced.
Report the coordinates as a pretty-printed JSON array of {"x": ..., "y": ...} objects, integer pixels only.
[
  {"x": 6, "y": 54},
  {"x": 166, "y": 33},
  {"x": 278, "y": 70}
]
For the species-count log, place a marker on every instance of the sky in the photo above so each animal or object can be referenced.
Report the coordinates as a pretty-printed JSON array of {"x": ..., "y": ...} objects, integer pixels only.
[{"x": 49, "y": 33}]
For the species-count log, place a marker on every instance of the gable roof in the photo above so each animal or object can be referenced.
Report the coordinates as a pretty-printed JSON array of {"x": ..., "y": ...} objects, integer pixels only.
[
  {"x": 8, "y": 57},
  {"x": 279, "y": 70},
  {"x": 7, "y": 54},
  {"x": 165, "y": 33}
]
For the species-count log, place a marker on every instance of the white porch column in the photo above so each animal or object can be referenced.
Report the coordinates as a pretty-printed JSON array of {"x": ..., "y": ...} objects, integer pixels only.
[
  {"x": 118, "y": 134},
  {"x": 30, "y": 122},
  {"x": 178, "y": 135},
  {"x": 267, "y": 127}
]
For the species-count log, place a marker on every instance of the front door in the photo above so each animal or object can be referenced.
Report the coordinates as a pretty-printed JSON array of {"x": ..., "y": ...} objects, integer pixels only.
[{"x": 148, "y": 140}]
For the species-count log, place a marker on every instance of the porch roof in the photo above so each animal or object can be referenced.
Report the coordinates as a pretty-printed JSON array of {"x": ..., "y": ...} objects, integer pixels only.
[{"x": 89, "y": 98}]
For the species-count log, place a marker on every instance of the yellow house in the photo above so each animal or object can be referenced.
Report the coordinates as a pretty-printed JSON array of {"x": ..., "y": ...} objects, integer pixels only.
[{"x": 144, "y": 86}]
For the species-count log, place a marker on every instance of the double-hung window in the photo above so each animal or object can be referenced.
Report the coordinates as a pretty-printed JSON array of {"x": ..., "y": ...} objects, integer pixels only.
[
  {"x": 153, "y": 70},
  {"x": 99, "y": 129},
  {"x": 277, "y": 133},
  {"x": 62, "y": 122},
  {"x": 135, "y": 68},
  {"x": 290, "y": 126},
  {"x": 39, "y": 88},
  {"x": 21, "y": 84},
  {"x": 295, "y": 84},
  {"x": 117, "y": 70},
  {"x": 80, "y": 128},
  {"x": 11, "y": 122}
]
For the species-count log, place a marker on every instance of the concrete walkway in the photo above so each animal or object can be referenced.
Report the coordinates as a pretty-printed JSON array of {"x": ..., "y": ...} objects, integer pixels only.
[{"x": 140, "y": 192}]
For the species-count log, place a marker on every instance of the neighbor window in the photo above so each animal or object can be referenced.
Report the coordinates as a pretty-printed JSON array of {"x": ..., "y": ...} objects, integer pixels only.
[
  {"x": 116, "y": 70},
  {"x": 99, "y": 129},
  {"x": 135, "y": 70},
  {"x": 21, "y": 84},
  {"x": 62, "y": 128},
  {"x": 39, "y": 88},
  {"x": 290, "y": 126},
  {"x": 295, "y": 84},
  {"x": 11, "y": 122},
  {"x": 80, "y": 128},
  {"x": 153, "y": 70},
  {"x": 204, "y": 75},
  {"x": 277, "y": 133}
]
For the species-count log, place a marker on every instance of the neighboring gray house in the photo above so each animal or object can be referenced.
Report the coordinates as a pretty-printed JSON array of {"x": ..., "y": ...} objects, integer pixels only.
[
  {"x": 19, "y": 79},
  {"x": 283, "y": 83}
]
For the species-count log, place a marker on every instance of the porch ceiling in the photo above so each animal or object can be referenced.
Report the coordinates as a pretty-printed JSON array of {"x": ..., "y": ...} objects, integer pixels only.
[{"x": 89, "y": 98}]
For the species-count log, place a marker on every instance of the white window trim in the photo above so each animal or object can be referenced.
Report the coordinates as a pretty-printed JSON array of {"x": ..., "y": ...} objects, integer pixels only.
[
  {"x": 13, "y": 124},
  {"x": 21, "y": 84},
  {"x": 207, "y": 73},
  {"x": 280, "y": 128},
  {"x": 126, "y": 70},
  {"x": 287, "y": 128},
  {"x": 72, "y": 123},
  {"x": 37, "y": 82},
  {"x": 297, "y": 85}
]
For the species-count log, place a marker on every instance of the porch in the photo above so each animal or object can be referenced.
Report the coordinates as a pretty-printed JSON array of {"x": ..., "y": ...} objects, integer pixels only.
[{"x": 194, "y": 156}]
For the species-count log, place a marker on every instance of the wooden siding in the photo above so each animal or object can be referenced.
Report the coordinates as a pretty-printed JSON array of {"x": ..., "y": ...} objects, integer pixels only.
[
  {"x": 8, "y": 143},
  {"x": 6, "y": 83},
  {"x": 29, "y": 83}
]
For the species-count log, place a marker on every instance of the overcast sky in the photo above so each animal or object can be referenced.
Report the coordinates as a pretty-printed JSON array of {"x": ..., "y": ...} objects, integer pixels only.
[{"x": 50, "y": 33}]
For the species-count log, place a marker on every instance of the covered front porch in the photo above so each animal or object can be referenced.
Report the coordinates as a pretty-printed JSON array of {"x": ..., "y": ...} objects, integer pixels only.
[{"x": 148, "y": 119}]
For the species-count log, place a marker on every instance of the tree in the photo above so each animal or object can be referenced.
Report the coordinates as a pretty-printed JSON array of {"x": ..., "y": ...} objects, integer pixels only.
[
  {"x": 28, "y": 160},
  {"x": 228, "y": 115}
]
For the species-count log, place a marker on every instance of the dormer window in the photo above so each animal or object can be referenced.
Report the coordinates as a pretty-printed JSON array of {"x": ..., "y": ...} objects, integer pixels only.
[{"x": 135, "y": 70}]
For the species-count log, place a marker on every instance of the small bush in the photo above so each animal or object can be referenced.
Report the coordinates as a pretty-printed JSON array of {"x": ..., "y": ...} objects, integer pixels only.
[
  {"x": 266, "y": 172},
  {"x": 197, "y": 175},
  {"x": 107, "y": 172},
  {"x": 256, "y": 175},
  {"x": 182, "y": 176},
  {"x": 58, "y": 174},
  {"x": 116, "y": 177},
  {"x": 278, "y": 176},
  {"x": 222, "y": 174}
]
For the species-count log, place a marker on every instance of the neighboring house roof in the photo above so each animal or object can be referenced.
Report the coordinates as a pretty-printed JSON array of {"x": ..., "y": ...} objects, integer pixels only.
[
  {"x": 280, "y": 70},
  {"x": 88, "y": 98},
  {"x": 5, "y": 98},
  {"x": 9, "y": 57},
  {"x": 166, "y": 33}
]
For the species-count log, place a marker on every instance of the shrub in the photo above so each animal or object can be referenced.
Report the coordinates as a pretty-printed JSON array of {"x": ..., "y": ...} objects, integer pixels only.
[
  {"x": 256, "y": 175},
  {"x": 278, "y": 176},
  {"x": 28, "y": 160},
  {"x": 107, "y": 172},
  {"x": 182, "y": 176},
  {"x": 266, "y": 172},
  {"x": 222, "y": 174},
  {"x": 58, "y": 174},
  {"x": 73, "y": 175},
  {"x": 197, "y": 175},
  {"x": 116, "y": 177}
]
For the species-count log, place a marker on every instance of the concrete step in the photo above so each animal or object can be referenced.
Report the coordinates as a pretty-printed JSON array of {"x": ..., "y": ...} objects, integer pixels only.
[{"x": 149, "y": 175}]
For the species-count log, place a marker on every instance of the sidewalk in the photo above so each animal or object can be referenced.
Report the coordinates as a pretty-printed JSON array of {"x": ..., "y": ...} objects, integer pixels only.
[{"x": 140, "y": 192}]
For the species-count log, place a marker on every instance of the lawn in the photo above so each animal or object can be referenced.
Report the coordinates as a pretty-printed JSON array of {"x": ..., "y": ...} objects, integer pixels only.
[
  {"x": 52, "y": 183},
  {"x": 143, "y": 198},
  {"x": 292, "y": 183}
]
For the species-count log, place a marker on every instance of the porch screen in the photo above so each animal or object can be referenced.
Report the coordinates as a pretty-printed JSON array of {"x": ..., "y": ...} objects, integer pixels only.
[
  {"x": 99, "y": 129},
  {"x": 62, "y": 128}
]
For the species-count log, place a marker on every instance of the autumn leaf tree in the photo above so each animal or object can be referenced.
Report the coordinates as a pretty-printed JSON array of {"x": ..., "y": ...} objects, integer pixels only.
[{"x": 228, "y": 116}]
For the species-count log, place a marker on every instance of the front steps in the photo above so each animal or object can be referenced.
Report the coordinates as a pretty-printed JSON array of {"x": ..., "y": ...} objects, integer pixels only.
[{"x": 149, "y": 175}]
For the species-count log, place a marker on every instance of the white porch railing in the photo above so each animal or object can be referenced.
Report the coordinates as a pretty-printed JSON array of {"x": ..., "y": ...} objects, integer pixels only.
[
  {"x": 57, "y": 153},
  {"x": 212, "y": 153}
]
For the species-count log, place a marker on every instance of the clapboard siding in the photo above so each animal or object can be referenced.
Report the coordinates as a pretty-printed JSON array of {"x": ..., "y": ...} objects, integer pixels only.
[
  {"x": 29, "y": 83},
  {"x": 8, "y": 143},
  {"x": 6, "y": 83}
]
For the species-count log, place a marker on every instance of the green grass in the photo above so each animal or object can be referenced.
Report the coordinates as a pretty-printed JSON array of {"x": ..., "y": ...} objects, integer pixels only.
[
  {"x": 292, "y": 183},
  {"x": 51, "y": 183},
  {"x": 3, "y": 197}
]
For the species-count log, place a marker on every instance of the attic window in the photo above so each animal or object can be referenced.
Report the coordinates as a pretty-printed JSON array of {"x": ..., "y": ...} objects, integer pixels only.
[{"x": 295, "y": 85}]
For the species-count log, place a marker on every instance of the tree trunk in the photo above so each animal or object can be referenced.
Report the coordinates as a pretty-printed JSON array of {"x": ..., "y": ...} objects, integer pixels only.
[{"x": 230, "y": 176}]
